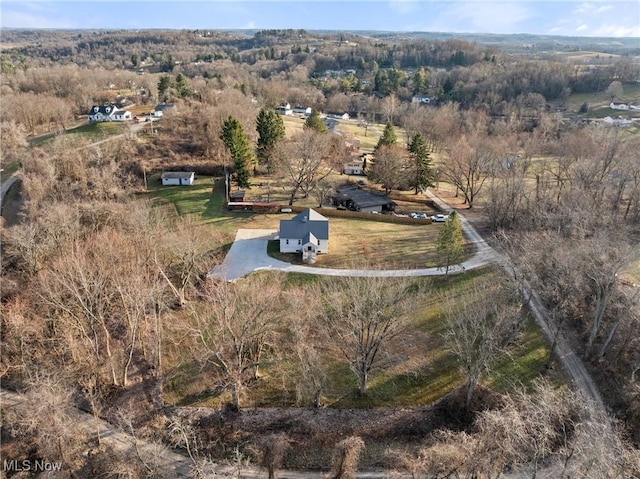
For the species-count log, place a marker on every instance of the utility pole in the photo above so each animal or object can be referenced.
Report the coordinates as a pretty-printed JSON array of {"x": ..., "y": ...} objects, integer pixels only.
[{"x": 144, "y": 174}]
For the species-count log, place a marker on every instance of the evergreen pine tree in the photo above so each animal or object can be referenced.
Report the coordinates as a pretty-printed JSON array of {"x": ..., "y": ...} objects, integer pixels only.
[
  {"x": 450, "y": 242},
  {"x": 181, "y": 86},
  {"x": 163, "y": 87},
  {"x": 388, "y": 137},
  {"x": 424, "y": 174},
  {"x": 315, "y": 122},
  {"x": 235, "y": 139},
  {"x": 271, "y": 130}
]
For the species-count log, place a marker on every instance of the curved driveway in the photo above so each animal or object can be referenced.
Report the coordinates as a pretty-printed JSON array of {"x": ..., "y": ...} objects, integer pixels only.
[{"x": 249, "y": 253}]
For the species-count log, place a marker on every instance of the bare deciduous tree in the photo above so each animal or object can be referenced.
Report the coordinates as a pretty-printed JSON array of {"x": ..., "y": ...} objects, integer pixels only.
[
  {"x": 391, "y": 168},
  {"x": 273, "y": 448},
  {"x": 233, "y": 327},
  {"x": 305, "y": 165},
  {"x": 468, "y": 166},
  {"x": 99, "y": 297},
  {"x": 362, "y": 315},
  {"x": 346, "y": 457},
  {"x": 479, "y": 326}
]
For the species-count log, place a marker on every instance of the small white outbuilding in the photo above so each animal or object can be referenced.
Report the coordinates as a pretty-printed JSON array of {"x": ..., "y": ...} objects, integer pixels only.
[{"x": 177, "y": 178}]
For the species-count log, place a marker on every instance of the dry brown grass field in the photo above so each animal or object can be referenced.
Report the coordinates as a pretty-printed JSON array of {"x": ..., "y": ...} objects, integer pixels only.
[{"x": 359, "y": 243}]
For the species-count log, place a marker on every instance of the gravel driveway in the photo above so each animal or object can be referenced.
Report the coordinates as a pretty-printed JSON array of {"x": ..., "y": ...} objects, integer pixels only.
[{"x": 249, "y": 253}]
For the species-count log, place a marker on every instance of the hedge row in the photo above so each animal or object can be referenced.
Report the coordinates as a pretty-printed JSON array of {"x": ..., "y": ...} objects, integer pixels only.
[{"x": 384, "y": 218}]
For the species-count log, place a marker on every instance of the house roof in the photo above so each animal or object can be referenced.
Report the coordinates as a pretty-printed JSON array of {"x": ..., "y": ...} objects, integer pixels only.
[
  {"x": 307, "y": 222},
  {"x": 104, "y": 109},
  {"x": 362, "y": 198},
  {"x": 163, "y": 106},
  {"x": 309, "y": 238},
  {"x": 178, "y": 174}
]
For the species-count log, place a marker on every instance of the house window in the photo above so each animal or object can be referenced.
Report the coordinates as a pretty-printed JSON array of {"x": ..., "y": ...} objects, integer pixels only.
[
  {"x": 287, "y": 241},
  {"x": 299, "y": 241},
  {"x": 318, "y": 242}
]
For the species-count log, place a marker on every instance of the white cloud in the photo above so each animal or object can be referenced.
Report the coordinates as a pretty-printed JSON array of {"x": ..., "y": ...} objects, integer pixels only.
[
  {"x": 12, "y": 19},
  {"x": 250, "y": 25},
  {"x": 403, "y": 7},
  {"x": 493, "y": 17},
  {"x": 591, "y": 9},
  {"x": 607, "y": 30},
  {"x": 610, "y": 19}
]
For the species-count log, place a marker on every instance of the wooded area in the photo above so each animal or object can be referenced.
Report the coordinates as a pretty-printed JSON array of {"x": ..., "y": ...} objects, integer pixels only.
[{"x": 106, "y": 302}]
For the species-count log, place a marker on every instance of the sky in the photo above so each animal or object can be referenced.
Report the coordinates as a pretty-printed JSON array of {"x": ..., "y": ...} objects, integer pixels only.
[{"x": 600, "y": 18}]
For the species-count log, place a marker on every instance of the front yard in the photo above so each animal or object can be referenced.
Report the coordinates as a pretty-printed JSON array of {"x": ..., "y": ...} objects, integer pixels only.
[
  {"x": 353, "y": 243},
  {"x": 359, "y": 243}
]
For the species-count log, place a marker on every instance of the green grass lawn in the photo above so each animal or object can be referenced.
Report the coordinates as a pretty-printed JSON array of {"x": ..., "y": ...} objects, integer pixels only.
[
  {"x": 98, "y": 130},
  {"x": 631, "y": 93},
  {"x": 204, "y": 202},
  {"x": 91, "y": 131},
  {"x": 420, "y": 369},
  {"x": 353, "y": 242},
  {"x": 367, "y": 137},
  {"x": 9, "y": 169}
]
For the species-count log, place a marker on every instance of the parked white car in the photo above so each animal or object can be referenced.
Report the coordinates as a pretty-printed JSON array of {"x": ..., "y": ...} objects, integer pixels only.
[
  {"x": 439, "y": 218},
  {"x": 419, "y": 215}
]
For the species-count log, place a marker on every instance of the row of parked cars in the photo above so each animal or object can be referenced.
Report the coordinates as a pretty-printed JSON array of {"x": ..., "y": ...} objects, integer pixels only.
[{"x": 435, "y": 218}]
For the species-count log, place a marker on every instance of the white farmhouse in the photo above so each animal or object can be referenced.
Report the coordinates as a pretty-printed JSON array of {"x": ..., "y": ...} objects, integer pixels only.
[
  {"x": 301, "y": 110},
  {"x": 306, "y": 233},
  {"x": 353, "y": 167},
  {"x": 108, "y": 113},
  {"x": 177, "y": 178},
  {"x": 284, "y": 109},
  {"x": 618, "y": 106},
  {"x": 421, "y": 99}
]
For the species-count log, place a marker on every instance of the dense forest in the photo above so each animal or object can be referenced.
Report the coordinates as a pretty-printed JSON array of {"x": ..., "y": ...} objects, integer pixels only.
[{"x": 107, "y": 305}]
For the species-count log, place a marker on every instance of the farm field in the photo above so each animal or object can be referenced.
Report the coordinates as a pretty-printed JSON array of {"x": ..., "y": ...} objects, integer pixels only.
[
  {"x": 600, "y": 101},
  {"x": 349, "y": 129}
]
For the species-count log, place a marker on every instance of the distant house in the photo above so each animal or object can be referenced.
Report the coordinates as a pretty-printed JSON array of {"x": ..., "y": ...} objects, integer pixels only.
[
  {"x": 301, "y": 110},
  {"x": 107, "y": 113},
  {"x": 355, "y": 198},
  {"x": 284, "y": 109},
  {"x": 355, "y": 167},
  {"x": 177, "y": 178},
  {"x": 421, "y": 99},
  {"x": 306, "y": 233},
  {"x": 160, "y": 109},
  {"x": 617, "y": 121},
  {"x": 618, "y": 106}
]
